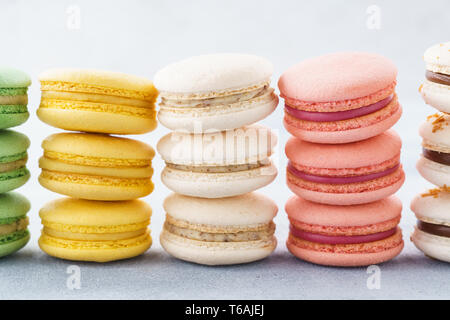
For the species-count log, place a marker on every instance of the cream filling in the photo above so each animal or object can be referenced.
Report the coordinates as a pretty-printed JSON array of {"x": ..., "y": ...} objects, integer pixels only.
[
  {"x": 210, "y": 102},
  {"x": 18, "y": 225},
  {"x": 9, "y": 166},
  {"x": 265, "y": 233},
  {"x": 14, "y": 100},
  {"x": 219, "y": 169}
]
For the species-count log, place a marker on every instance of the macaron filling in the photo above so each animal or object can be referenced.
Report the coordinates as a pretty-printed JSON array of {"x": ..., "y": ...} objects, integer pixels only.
[
  {"x": 232, "y": 235},
  {"x": 218, "y": 169},
  {"x": 326, "y": 239},
  {"x": 188, "y": 102},
  {"x": 16, "y": 224},
  {"x": 341, "y": 180},
  {"x": 438, "y": 78},
  {"x": 436, "y": 156},
  {"x": 339, "y": 115},
  {"x": 434, "y": 229}
]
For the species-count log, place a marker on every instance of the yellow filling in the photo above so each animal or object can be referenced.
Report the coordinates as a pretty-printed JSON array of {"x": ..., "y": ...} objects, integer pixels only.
[
  {"x": 95, "y": 229},
  {"x": 96, "y": 161},
  {"x": 93, "y": 245},
  {"x": 98, "y": 107},
  {"x": 94, "y": 180},
  {"x": 80, "y": 87}
]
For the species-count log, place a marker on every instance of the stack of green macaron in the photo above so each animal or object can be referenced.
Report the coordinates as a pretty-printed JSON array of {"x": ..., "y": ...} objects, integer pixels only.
[
  {"x": 216, "y": 157},
  {"x": 13, "y": 158}
]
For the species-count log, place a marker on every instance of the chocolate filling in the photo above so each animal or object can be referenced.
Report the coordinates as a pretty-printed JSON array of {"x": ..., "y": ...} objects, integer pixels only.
[
  {"x": 435, "y": 229},
  {"x": 436, "y": 156},
  {"x": 438, "y": 77}
]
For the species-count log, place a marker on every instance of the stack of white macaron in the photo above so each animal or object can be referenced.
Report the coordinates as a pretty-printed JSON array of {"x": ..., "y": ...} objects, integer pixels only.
[
  {"x": 216, "y": 157},
  {"x": 432, "y": 209}
]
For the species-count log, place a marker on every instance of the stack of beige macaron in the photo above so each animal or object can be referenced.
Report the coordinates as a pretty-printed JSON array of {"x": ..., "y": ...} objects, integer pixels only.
[
  {"x": 102, "y": 175},
  {"x": 432, "y": 233},
  {"x": 216, "y": 157}
]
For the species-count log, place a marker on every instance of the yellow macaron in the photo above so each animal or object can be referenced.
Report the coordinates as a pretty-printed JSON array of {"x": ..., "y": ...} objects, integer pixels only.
[
  {"x": 97, "y": 101},
  {"x": 96, "y": 166},
  {"x": 100, "y": 231}
]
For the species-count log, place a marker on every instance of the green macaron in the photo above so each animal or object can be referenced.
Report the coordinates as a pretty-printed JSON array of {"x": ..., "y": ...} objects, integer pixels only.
[
  {"x": 13, "y": 158},
  {"x": 14, "y": 234},
  {"x": 13, "y": 97}
]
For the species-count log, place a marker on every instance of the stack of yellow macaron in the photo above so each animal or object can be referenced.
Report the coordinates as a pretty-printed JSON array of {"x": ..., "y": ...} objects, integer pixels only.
[{"x": 103, "y": 174}]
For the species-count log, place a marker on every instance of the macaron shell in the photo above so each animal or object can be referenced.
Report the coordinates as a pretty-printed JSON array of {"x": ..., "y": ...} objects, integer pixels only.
[
  {"x": 432, "y": 209},
  {"x": 9, "y": 120},
  {"x": 213, "y": 73},
  {"x": 433, "y": 246},
  {"x": 217, "y": 185},
  {"x": 436, "y": 173},
  {"x": 355, "y": 155},
  {"x": 11, "y": 247},
  {"x": 91, "y": 189},
  {"x": 103, "y": 254},
  {"x": 345, "y": 136},
  {"x": 13, "y": 78},
  {"x": 14, "y": 183},
  {"x": 13, "y": 204},
  {"x": 97, "y": 121},
  {"x": 346, "y": 198},
  {"x": 437, "y": 58},
  {"x": 337, "y": 77},
  {"x": 219, "y": 148},
  {"x": 69, "y": 211},
  {"x": 12, "y": 142},
  {"x": 98, "y": 145},
  {"x": 344, "y": 259},
  {"x": 101, "y": 78},
  {"x": 248, "y": 209},
  {"x": 437, "y": 140},
  {"x": 436, "y": 95},
  {"x": 368, "y": 214},
  {"x": 219, "y": 118},
  {"x": 210, "y": 254}
]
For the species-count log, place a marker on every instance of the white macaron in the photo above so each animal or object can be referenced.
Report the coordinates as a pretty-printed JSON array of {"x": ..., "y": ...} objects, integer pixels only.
[
  {"x": 436, "y": 88},
  {"x": 220, "y": 164},
  {"x": 432, "y": 233},
  {"x": 434, "y": 163},
  {"x": 219, "y": 231},
  {"x": 215, "y": 92}
]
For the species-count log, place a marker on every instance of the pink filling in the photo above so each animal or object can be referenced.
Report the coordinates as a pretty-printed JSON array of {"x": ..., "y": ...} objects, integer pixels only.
[
  {"x": 340, "y": 180},
  {"x": 320, "y": 238},
  {"x": 340, "y": 115}
]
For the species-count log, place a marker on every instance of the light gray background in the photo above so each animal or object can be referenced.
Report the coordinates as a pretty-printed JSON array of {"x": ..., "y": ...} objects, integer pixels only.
[{"x": 140, "y": 37}]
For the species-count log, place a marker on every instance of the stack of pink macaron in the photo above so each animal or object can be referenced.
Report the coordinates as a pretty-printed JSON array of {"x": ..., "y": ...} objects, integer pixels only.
[
  {"x": 432, "y": 233},
  {"x": 344, "y": 160}
]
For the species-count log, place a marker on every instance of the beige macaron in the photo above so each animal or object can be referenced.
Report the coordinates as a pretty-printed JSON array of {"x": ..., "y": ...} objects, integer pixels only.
[
  {"x": 220, "y": 164},
  {"x": 215, "y": 92},
  {"x": 222, "y": 231}
]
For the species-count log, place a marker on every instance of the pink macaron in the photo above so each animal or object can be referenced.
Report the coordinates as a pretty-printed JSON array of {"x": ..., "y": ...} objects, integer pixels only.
[
  {"x": 345, "y": 174},
  {"x": 340, "y": 97},
  {"x": 357, "y": 235}
]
